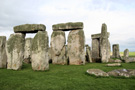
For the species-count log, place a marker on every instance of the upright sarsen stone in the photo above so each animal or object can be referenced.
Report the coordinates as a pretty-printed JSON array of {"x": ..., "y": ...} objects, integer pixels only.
[
  {"x": 39, "y": 58},
  {"x": 88, "y": 54},
  {"x": 15, "y": 51},
  {"x": 27, "y": 50},
  {"x": 116, "y": 51},
  {"x": 104, "y": 44},
  {"x": 76, "y": 47},
  {"x": 3, "y": 55},
  {"x": 58, "y": 49}
]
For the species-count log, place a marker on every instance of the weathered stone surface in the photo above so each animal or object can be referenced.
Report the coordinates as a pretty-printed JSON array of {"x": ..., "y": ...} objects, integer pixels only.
[
  {"x": 58, "y": 50},
  {"x": 27, "y": 50},
  {"x": 88, "y": 54},
  {"x": 76, "y": 47},
  {"x": 113, "y": 64},
  {"x": 116, "y": 51},
  {"x": 126, "y": 55},
  {"x": 39, "y": 58},
  {"x": 104, "y": 44},
  {"x": 15, "y": 51},
  {"x": 29, "y": 28},
  {"x": 97, "y": 36},
  {"x": 96, "y": 50},
  {"x": 130, "y": 59},
  {"x": 3, "y": 55},
  {"x": 68, "y": 26},
  {"x": 97, "y": 72},
  {"x": 50, "y": 55},
  {"x": 122, "y": 72},
  {"x": 118, "y": 61}
]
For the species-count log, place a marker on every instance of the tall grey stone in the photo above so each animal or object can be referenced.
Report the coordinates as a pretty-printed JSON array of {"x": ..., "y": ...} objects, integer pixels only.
[
  {"x": 88, "y": 54},
  {"x": 116, "y": 51},
  {"x": 27, "y": 50},
  {"x": 39, "y": 57},
  {"x": 58, "y": 49},
  {"x": 76, "y": 47},
  {"x": 104, "y": 44},
  {"x": 3, "y": 55},
  {"x": 15, "y": 51},
  {"x": 126, "y": 55}
]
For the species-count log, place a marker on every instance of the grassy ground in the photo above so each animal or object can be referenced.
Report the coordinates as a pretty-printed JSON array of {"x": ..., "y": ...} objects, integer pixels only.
[{"x": 67, "y": 77}]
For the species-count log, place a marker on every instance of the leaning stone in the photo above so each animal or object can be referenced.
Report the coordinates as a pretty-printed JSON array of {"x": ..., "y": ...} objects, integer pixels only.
[
  {"x": 76, "y": 47},
  {"x": 39, "y": 58},
  {"x": 88, "y": 54},
  {"x": 114, "y": 65},
  {"x": 104, "y": 45},
  {"x": 68, "y": 26},
  {"x": 15, "y": 51},
  {"x": 3, "y": 55},
  {"x": 29, "y": 28},
  {"x": 27, "y": 50},
  {"x": 116, "y": 51},
  {"x": 58, "y": 50},
  {"x": 97, "y": 72}
]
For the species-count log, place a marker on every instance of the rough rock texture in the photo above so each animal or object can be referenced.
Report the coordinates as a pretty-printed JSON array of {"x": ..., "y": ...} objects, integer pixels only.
[
  {"x": 29, "y": 28},
  {"x": 97, "y": 72},
  {"x": 3, "y": 55},
  {"x": 58, "y": 50},
  {"x": 88, "y": 54},
  {"x": 39, "y": 58},
  {"x": 15, "y": 51},
  {"x": 118, "y": 61},
  {"x": 27, "y": 50},
  {"x": 116, "y": 51},
  {"x": 104, "y": 45},
  {"x": 130, "y": 59},
  {"x": 113, "y": 65},
  {"x": 126, "y": 55},
  {"x": 50, "y": 55},
  {"x": 76, "y": 47},
  {"x": 122, "y": 72},
  {"x": 68, "y": 26},
  {"x": 96, "y": 50}
]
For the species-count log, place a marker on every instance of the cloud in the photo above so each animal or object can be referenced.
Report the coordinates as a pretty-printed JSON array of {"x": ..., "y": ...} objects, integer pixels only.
[{"x": 117, "y": 14}]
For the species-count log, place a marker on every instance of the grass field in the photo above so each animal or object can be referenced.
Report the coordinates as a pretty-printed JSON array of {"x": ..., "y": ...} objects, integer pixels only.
[
  {"x": 64, "y": 77},
  {"x": 131, "y": 54}
]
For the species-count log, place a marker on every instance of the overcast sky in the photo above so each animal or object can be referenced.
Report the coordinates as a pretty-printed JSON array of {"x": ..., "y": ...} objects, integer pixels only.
[{"x": 119, "y": 15}]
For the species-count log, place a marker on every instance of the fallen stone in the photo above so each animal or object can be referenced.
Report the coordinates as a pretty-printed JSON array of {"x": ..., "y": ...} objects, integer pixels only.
[
  {"x": 97, "y": 72},
  {"x": 58, "y": 50},
  {"x": 76, "y": 47},
  {"x": 117, "y": 61},
  {"x": 27, "y": 50},
  {"x": 68, "y": 26},
  {"x": 130, "y": 59},
  {"x": 15, "y": 51},
  {"x": 39, "y": 58},
  {"x": 122, "y": 72},
  {"x": 29, "y": 28},
  {"x": 113, "y": 65},
  {"x": 116, "y": 51},
  {"x": 3, "y": 55}
]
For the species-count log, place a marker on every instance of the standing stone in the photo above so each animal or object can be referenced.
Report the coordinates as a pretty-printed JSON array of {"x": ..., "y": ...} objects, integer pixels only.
[
  {"x": 104, "y": 45},
  {"x": 88, "y": 54},
  {"x": 3, "y": 55},
  {"x": 116, "y": 51},
  {"x": 27, "y": 50},
  {"x": 39, "y": 58},
  {"x": 126, "y": 55},
  {"x": 58, "y": 49},
  {"x": 76, "y": 47},
  {"x": 15, "y": 51}
]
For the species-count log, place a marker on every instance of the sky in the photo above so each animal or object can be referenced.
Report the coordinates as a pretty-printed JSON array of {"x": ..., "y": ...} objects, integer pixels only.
[{"x": 119, "y": 16}]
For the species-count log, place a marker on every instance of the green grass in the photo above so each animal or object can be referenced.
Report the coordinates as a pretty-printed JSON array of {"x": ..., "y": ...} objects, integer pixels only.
[
  {"x": 64, "y": 77},
  {"x": 131, "y": 54}
]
